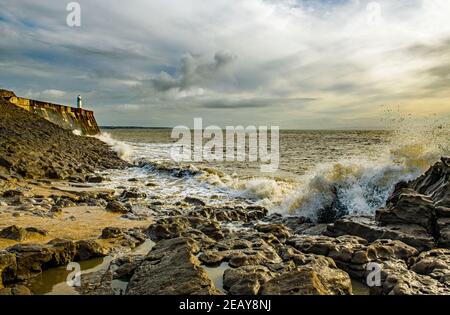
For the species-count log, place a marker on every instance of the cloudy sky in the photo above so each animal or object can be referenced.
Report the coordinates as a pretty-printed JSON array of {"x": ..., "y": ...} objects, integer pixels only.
[{"x": 299, "y": 64}]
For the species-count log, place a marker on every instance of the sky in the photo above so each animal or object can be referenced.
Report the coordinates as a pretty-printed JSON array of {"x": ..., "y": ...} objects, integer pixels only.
[{"x": 297, "y": 64}]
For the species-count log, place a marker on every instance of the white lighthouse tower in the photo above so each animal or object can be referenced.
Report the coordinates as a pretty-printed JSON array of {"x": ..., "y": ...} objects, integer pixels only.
[{"x": 79, "y": 102}]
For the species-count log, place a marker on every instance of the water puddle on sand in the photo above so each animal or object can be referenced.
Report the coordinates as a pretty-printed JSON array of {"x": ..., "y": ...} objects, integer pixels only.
[
  {"x": 360, "y": 288},
  {"x": 53, "y": 281},
  {"x": 215, "y": 273}
]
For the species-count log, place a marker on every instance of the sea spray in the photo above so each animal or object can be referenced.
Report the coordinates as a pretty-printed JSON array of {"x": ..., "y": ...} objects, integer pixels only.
[
  {"x": 359, "y": 186},
  {"x": 123, "y": 150}
]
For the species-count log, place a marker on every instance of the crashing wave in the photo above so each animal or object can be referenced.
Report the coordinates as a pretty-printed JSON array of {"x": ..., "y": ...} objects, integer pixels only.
[{"x": 361, "y": 186}]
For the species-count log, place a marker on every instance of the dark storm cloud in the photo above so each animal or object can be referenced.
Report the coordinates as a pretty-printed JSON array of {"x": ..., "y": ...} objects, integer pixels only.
[
  {"x": 162, "y": 62},
  {"x": 192, "y": 72}
]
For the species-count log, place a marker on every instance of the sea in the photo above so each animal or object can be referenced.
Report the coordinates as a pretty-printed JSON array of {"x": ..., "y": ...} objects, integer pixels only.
[{"x": 354, "y": 169}]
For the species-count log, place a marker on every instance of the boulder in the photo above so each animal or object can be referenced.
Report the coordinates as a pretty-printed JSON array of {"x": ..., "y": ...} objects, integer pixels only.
[
  {"x": 32, "y": 258},
  {"x": 111, "y": 232},
  {"x": 367, "y": 228},
  {"x": 443, "y": 226},
  {"x": 88, "y": 249},
  {"x": 171, "y": 268},
  {"x": 352, "y": 254},
  {"x": 397, "y": 279},
  {"x": 16, "y": 290},
  {"x": 13, "y": 233},
  {"x": 19, "y": 234},
  {"x": 434, "y": 263},
  {"x": 246, "y": 280},
  {"x": 132, "y": 193},
  {"x": 194, "y": 201},
  {"x": 310, "y": 280},
  {"x": 406, "y": 207},
  {"x": 116, "y": 206},
  {"x": 125, "y": 266},
  {"x": 8, "y": 267},
  {"x": 12, "y": 193},
  {"x": 177, "y": 226},
  {"x": 94, "y": 179}
]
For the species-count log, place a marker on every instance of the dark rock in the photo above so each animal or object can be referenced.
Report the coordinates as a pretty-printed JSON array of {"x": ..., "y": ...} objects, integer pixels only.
[
  {"x": 33, "y": 230},
  {"x": 16, "y": 290},
  {"x": 133, "y": 193},
  {"x": 13, "y": 233},
  {"x": 194, "y": 201},
  {"x": 116, "y": 206},
  {"x": 279, "y": 230},
  {"x": 406, "y": 207},
  {"x": 89, "y": 249},
  {"x": 8, "y": 267},
  {"x": 411, "y": 234},
  {"x": 12, "y": 193},
  {"x": 111, "y": 232},
  {"x": 443, "y": 226},
  {"x": 94, "y": 179},
  {"x": 125, "y": 266},
  {"x": 32, "y": 258},
  {"x": 176, "y": 226}
]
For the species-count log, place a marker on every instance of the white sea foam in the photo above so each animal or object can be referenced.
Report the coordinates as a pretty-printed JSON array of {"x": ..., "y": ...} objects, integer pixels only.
[
  {"x": 355, "y": 186},
  {"x": 123, "y": 150},
  {"x": 261, "y": 188},
  {"x": 361, "y": 185}
]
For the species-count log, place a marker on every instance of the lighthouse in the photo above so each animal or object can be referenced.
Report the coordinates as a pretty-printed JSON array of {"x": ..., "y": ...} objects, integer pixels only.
[{"x": 79, "y": 102}]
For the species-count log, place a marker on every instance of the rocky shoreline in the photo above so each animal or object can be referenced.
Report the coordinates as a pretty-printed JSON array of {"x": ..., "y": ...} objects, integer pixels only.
[{"x": 53, "y": 212}]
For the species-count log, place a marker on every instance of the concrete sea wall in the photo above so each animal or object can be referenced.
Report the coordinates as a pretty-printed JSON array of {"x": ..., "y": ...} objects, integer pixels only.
[{"x": 64, "y": 116}]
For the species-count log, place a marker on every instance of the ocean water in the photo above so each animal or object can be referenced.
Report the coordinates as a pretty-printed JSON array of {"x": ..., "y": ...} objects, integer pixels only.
[{"x": 349, "y": 172}]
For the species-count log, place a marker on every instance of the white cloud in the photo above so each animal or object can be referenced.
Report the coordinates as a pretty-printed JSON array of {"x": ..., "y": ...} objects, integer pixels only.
[{"x": 178, "y": 58}]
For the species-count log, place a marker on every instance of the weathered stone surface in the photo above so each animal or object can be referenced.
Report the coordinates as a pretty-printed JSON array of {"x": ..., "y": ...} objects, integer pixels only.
[
  {"x": 435, "y": 183},
  {"x": 246, "y": 280},
  {"x": 408, "y": 207},
  {"x": 279, "y": 230},
  {"x": 177, "y": 226},
  {"x": 125, "y": 266},
  {"x": 310, "y": 280},
  {"x": 111, "y": 232},
  {"x": 33, "y": 147},
  {"x": 116, "y": 206},
  {"x": 133, "y": 193},
  {"x": 443, "y": 225},
  {"x": 434, "y": 263},
  {"x": 31, "y": 257},
  {"x": 171, "y": 269},
  {"x": 13, "y": 233},
  {"x": 194, "y": 201},
  {"x": 12, "y": 193},
  {"x": 367, "y": 228},
  {"x": 352, "y": 253},
  {"x": 15, "y": 290},
  {"x": 8, "y": 267},
  {"x": 397, "y": 279},
  {"x": 240, "y": 251},
  {"x": 230, "y": 214},
  {"x": 94, "y": 179},
  {"x": 89, "y": 249}
]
